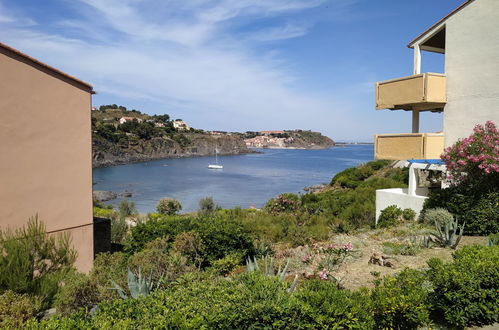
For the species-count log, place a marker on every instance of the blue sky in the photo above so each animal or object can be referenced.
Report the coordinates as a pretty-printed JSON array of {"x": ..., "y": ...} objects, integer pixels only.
[{"x": 236, "y": 65}]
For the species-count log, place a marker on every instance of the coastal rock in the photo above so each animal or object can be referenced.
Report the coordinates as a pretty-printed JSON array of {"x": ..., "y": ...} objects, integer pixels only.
[
  {"x": 104, "y": 196},
  {"x": 315, "y": 188},
  {"x": 106, "y": 153}
]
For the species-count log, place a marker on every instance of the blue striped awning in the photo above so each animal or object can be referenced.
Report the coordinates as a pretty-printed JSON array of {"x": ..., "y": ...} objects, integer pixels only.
[{"x": 427, "y": 161}]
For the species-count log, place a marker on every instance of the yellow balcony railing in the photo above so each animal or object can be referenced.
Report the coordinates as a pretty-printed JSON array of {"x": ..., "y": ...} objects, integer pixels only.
[
  {"x": 421, "y": 92},
  {"x": 408, "y": 146}
]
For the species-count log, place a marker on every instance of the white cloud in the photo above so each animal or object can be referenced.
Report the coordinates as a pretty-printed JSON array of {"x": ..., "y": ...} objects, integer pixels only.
[{"x": 180, "y": 57}]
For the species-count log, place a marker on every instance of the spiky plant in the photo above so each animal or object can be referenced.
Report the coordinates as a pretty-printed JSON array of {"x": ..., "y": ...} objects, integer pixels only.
[
  {"x": 137, "y": 285},
  {"x": 252, "y": 266},
  {"x": 448, "y": 233}
]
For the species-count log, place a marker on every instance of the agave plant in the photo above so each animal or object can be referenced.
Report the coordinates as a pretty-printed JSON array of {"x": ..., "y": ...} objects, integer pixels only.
[
  {"x": 252, "y": 266},
  {"x": 448, "y": 233},
  {"x": 137, "y": 285}
]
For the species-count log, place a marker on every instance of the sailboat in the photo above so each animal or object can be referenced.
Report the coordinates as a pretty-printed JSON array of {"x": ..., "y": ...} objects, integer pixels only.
[{"x": 216, "y": 166}]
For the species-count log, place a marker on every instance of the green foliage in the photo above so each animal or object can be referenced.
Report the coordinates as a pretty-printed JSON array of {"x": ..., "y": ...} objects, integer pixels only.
[
  {"x": 103, "y": 212},
  {"x": 190, "y": 245},
  {"x": 207, "y": 205},
  {"x": 287, "y": 202},
  {"x": 437, "y": 215},
  {"x": 321, "y": 305},
  {"x": 138, "y": 286},
  {"x": 107, "y": 266},
  {"x": 389, "y": 217},
  {"x": 476, "y": 205},
  {"x": 78, "y": 291},
  {"x": 466, "y": 291},
  {"x": 220, "y": 235},
  {"x": 33, "y": 262},
  {"x": 493, "y": 239},
  {"x": 16, "y": 309},
  {"x": 448, "y": 233},
  {"x": 483, "y": 218},
  {"x": 408, "y": 215},
  {"x": 127, "y": 209},
  {"x": 405, "y": 249},
  {"x": 352, "y": 177},
  {"x": 226, "y": 265},
  {"x": 401, "y": 301},
  {"x": 168, "y": 206}
]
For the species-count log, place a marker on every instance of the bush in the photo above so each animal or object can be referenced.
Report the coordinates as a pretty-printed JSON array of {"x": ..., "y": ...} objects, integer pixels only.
[
  {"x": 466, "y": 291},
  {"x": 475, "y": 159},
  {"x": 476, "y": 206},
  {"x": 77, "y": 292},
  {"x": 207, "y": 205},
  {"x": 168, "y": 206},
  {"x": 107, "y": 266},
  {"x": 190, "y": 245},
  {"x": 401, "y": 301},
  {"x": 437, "y": 216},
  {"x": 16, "y": 309},
  {"x": 389, "y": 217},
  {"x": 283, "y": 203},
  {"x": 483, "y": 219},
  {"x": 127, "y": 209},
  {"x": 408, "y": 215},
  {"x": 119, "y": 229},
  {"x": 405, "y": 249},
  {"x": 33, "y": 262},
  {"x": 227, "y": 264},
  {"x": 493, "y": 239},
  {"x": 321, "y": 305}
]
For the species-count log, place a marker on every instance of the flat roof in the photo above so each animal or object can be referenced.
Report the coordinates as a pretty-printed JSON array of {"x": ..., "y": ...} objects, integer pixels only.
[
  {"x": 430, "y": 29},
  {"x": 45, "y": 67}
]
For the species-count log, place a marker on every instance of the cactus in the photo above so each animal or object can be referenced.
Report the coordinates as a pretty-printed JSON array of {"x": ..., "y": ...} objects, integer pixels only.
[
  {"x": 448, "y": 233},
  {"x": 137, "y": 285}
]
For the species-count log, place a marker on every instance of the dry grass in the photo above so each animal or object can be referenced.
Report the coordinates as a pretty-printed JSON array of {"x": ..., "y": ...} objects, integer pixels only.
[{"x": 356, "y": 271}]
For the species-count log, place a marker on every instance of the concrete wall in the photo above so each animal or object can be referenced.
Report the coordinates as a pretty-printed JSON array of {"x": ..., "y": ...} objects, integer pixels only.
[
  {"x": 45, "y": 151},
  {"x": 472, "y": 69},
  {"x": 399, "y": 197}
]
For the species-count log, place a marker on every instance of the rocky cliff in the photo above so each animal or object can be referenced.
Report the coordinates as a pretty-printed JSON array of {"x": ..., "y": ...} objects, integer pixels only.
[{"x": 106, "y": 153}]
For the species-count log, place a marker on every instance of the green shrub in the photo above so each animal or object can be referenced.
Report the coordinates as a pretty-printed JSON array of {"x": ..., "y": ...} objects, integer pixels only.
[
  {"x": 401, "y": 301},
  {"x": 389, "y": 217},
  {"x": 476, "y": 205},
  {"x": 466, "y": 291},
  {"x": 103, "y": 212},
  {"x": 127, "y": 209},
  {"x": 108, "y": 266},
  {"x": 77, "y": 292},
  {"x": 437, "y": 216},
  {"x": 408, "y": 215},
  {"x": 16, "y": 309},
  {"x": 119, "y": 229},
  {"x": 168, "y": 206},
  {"x": 483, "y": 219},
  {"x": 321, "y": 305},
  {"x": 33, "y": 262},
  {"x": 227, "y": 264},
  {"x": 207, "y": 205},
  {"x": 283, "y": 203},
  {"x": 493, "y": 239},
  {"x": 190, "y": 245},
  {"x": 405, "y": 249},
  {"x": 155, "y": 227}
]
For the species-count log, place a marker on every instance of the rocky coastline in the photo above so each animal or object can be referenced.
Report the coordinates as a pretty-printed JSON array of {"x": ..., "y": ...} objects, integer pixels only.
[{"x": 106, "y": 153}]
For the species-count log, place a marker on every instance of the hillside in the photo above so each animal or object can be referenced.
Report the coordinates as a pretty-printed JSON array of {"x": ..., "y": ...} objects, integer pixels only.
[
  {"x": 296, "y": 139},
  {"x": 142, "y": 138}
]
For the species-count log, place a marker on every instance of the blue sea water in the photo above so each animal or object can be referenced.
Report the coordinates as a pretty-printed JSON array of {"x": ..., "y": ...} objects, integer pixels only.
[{"x": 246, "y": 180}]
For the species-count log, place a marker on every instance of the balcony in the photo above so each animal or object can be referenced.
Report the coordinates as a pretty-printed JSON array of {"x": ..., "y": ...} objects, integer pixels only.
[
  {"x": 420, "y": 92},
  {"x": 408, "y": 146}
]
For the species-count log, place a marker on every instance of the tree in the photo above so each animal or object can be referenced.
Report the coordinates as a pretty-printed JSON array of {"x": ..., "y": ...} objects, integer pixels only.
[{"x": 168, "y": 206}]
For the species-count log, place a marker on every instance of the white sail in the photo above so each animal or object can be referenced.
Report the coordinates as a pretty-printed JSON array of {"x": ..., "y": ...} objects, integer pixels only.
[{"x": 216, "y": 165}]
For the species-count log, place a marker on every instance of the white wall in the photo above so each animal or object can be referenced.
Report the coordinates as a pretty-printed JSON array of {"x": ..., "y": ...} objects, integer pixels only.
[{"x": 472, "y": 69}]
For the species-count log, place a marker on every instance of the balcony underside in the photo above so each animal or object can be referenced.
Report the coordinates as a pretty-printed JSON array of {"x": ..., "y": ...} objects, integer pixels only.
[
  {"x": 408, "y": 146},
  {"x": 422, "y": 92}
]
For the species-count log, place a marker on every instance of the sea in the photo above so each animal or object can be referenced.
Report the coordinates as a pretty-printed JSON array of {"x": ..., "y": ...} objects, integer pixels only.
[{"x": 248, "y": 180}]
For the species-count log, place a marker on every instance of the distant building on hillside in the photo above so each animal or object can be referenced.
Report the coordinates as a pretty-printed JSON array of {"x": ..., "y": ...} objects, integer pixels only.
[
  {"x": 271, "y": 132},
  {"x": 125, "y": 119},
  {"x": 466, "y": 94},
  {"x": 181, "y": 125},
  {"x": 46, "y": 150}
]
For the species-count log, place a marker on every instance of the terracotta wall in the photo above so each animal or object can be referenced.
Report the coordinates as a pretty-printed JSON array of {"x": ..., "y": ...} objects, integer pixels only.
[{"x": 45, "y": 152}]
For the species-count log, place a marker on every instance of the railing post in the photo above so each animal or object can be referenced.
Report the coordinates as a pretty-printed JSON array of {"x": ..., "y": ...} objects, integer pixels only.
[{"x": 413, "y": 181}]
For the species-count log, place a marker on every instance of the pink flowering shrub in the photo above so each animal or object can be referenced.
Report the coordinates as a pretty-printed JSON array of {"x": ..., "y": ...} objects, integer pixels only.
[
  {"x": 283, "y": 203},
  {"x": 475, "y": 157},
  {"x": 333, "y": 257}
]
